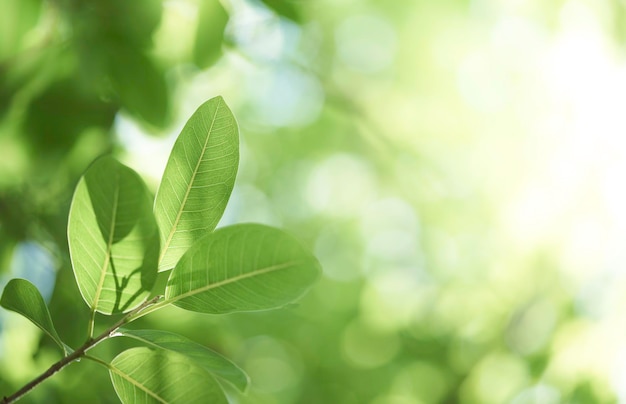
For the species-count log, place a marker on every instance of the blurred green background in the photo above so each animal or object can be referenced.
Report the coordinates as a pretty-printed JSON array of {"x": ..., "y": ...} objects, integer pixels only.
[{"x": 458, "y": 167}]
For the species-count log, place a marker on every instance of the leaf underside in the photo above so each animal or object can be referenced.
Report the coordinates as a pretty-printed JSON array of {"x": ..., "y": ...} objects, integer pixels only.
[
  {"x": 201, "y": 355},
  {"x": 113, "y": 238},
  {"x": 244, "y": 267},
  {"x": 197, "y": 181},
  {"x": 23, "y": 297},
  {"x": 142, "y": 375}
]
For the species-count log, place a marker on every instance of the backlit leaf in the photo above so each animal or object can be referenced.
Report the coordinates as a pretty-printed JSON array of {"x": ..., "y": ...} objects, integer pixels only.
[
  {"x": 203, "y": 356},
  {"x": 112, "y": 237},
  {"x": 244, "y": 267},
  {"x": 142, "y": 375},
  {"x": 198, "y": 180},
  {"x": 23, "y": 297}
]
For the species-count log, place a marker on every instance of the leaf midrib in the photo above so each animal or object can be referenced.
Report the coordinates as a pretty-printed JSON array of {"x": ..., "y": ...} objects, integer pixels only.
[
  {"x": 231, "y": 280},
  {"x": 136, "y": 383},
  {"x": 231, "y": 371},
  {"x": 107, "y": 257},
  {"x": 189, "y": 187}
]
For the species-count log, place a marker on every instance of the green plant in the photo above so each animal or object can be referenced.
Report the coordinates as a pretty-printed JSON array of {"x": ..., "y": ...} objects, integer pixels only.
[{"x": 119, "y": 242}]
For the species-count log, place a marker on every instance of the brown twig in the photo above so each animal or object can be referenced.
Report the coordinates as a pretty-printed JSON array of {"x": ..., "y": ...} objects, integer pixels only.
[{"x": 77, "y": 354}]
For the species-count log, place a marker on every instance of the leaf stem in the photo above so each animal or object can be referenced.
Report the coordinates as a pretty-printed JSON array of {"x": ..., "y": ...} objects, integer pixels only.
[
  {"x": 132, "y": 316},
  {"x": 78, "y": 353},
  {"x": 92, "y": 321},
  {"x": 100, "y": 361}
]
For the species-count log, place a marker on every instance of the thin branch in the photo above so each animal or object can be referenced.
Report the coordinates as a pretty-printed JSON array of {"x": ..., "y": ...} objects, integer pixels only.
[
  {"x": 132, "y": 316},
  {"x": 77, "y": 354}
]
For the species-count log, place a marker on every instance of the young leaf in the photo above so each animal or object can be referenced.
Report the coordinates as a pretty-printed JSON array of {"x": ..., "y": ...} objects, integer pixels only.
[
  {"x": 23, "y": 297},
  {"x": 198, "y": 179},
  {"x": 142, "y": 375},
  {"x": 244, "y": 267},
  {"x": 210, "y": 33},
  {"x": 113, "y": 238},
  {"x": 201, "y": 355}
]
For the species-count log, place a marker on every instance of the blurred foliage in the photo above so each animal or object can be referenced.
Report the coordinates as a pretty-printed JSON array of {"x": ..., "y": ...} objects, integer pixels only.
[{"x": 456, "y": 165}]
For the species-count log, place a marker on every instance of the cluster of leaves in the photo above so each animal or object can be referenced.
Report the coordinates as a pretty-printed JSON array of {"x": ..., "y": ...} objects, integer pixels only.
[
  {"x": 119, "y": 241},
  {"x": 67, "y": 67}
]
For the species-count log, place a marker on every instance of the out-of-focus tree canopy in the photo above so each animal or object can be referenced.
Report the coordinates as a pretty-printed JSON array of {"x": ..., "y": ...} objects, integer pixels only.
[{"x": 457, "y": 166}]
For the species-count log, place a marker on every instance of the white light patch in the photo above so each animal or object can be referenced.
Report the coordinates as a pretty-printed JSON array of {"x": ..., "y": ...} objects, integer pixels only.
[
  {"x": 33, "y": 262},
  {"x": 260, "y": 33},
  {"x": 366, "y": 43},
  {"x": 285, "y": 96},
  {"x": 482, "y": 84},
  {"x": 342, "y": 185}
]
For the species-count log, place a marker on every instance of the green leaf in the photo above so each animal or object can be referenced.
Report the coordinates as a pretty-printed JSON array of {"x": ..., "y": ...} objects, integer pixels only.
[
  {"x": 23, "y": 297},
  {"x": 201, "y": 355},
  {"x": 210, "y": 33},
  {"x": 113, "y": 238},
  {"x": 198, "y": 179},
  {"x": 244, "y": 267},
  {"x": 62, "y": 112},
  {"x": 139, "y": 84},
  {"x": 142, "y": 375}
]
